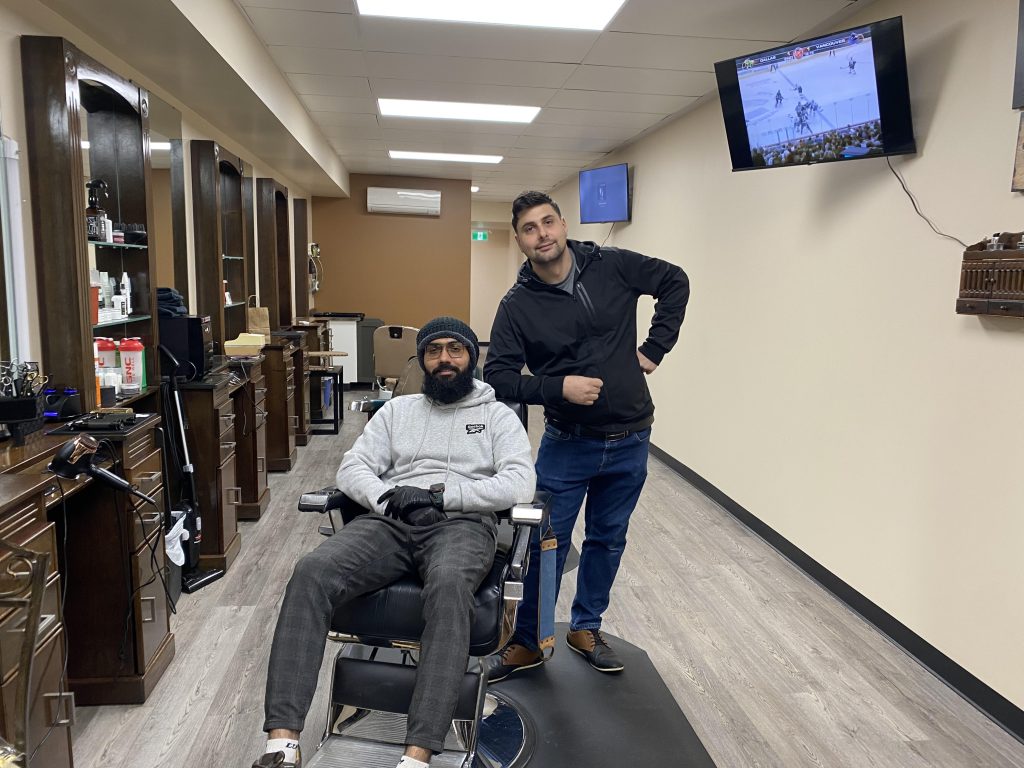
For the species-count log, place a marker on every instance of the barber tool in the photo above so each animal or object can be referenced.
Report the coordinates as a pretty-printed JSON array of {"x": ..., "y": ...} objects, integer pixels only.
[{"x": 76, "y": 457}]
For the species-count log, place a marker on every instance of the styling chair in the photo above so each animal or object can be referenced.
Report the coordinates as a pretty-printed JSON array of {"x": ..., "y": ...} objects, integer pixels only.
[
  {"x": 393, "y": 347},
  {"x": 374, "y": 672}
]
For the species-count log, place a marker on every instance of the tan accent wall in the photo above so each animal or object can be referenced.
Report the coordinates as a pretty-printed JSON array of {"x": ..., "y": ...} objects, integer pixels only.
[
  {"x": 163, "y": 239},
  {"x": 402, "y": 269},
  {"x": 823, "y": 379}
]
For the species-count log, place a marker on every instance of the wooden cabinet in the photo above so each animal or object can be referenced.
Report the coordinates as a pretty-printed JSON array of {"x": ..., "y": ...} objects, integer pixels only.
[
  {"x": 992, "y": 281},
  {"x": 27, "y": 715},
  {"x": 278, "y": 369},
  {"x": 211, "y": 418},
  {"x": 220, "y": 238},
  {"x": 85, "y": 123},
  {"x": 272, "y": 233},
  {"x": 251, "y": 439},
  {"x": 117, "y": 619}
]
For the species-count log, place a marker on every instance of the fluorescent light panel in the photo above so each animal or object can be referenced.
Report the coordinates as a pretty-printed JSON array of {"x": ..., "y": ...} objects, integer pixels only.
[
  {"x": 457, "y": 110},
  {"x": 557, "y": 14},
  {"x": 444, "y": 157},
  {"x": 474, "y": 188},
  {"x": 158, "y": 145}
]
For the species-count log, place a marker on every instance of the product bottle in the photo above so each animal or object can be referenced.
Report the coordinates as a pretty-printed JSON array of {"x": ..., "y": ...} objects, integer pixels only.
[
  {"x": 94, "y": 215},
  {"x": 126, "y": 291},
  {"x": 133, "y": 362},
  {"x": 107, "y": 352},
  {"x": 96, "y": 366}
]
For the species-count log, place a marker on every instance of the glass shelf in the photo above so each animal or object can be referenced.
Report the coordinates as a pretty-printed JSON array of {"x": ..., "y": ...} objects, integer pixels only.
[
  {"x": 131, "y": 246},
  {"x": 234, "y": 304},
  {"x": 123, "y": 321},
  {"x": 232, "y": 258}
]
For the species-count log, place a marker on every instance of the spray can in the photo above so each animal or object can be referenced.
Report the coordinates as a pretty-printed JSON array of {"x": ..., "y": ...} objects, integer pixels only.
[{"x": 133, "y": 363}]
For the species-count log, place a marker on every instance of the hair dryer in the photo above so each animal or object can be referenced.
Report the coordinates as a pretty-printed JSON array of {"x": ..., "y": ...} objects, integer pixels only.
[{"x": 76, "y": 456}]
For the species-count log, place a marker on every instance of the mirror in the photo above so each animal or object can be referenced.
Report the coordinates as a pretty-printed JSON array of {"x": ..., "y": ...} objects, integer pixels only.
[
  {"x": 168, "y": 184},
  {"x": 8, "y": 318}
]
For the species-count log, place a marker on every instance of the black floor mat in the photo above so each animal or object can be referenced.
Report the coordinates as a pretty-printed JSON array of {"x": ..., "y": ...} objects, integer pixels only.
[{"x": 592, "y": 719}]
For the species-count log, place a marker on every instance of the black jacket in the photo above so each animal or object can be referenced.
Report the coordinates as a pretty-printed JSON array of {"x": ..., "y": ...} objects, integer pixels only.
[{"x": 591, "y": 333}]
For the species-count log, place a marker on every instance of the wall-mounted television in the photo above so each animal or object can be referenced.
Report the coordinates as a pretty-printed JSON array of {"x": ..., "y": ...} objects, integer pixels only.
[
  {"x": 842, "y": 96},
  {"x": 604, "y": 194}
]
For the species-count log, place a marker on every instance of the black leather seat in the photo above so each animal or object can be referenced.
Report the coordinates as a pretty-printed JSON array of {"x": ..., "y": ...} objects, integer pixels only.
[{"x": 395, "y": 613}]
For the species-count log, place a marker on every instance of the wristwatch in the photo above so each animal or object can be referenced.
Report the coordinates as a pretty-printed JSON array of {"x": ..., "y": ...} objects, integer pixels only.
[{"x": 436, "y": 492}]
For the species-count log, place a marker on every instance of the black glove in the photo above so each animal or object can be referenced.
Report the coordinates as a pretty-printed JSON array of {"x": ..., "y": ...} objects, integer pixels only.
[{"x": 407, "y": 502}]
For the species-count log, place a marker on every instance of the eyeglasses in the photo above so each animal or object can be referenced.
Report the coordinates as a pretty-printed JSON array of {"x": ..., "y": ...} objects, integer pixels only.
[{"x": 455, "y": 349}]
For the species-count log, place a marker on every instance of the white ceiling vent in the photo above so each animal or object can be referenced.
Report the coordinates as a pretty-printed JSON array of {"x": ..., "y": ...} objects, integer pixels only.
[{"x": 417, "y": 202}]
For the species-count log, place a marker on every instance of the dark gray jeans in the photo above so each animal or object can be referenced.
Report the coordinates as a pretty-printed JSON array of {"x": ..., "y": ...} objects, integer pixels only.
[{"x": 451, "y": 558}]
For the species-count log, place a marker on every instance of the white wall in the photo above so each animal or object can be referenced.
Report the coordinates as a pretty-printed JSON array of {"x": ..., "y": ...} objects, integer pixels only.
[
  {"x": 494, "y": 264},
  {"x": 822, "y": 379}
]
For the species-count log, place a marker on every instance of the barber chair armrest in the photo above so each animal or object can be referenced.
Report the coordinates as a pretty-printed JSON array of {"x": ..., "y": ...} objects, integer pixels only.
[
  {"x": 324, "y": 500},
  {"x": 526, "y": 517}
]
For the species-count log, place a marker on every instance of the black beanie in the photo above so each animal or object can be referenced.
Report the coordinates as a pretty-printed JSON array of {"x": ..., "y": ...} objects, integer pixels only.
[{"x": 448, "y": 328}]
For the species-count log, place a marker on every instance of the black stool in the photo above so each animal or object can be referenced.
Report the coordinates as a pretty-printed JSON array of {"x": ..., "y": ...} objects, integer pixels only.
[{"x": 334, "y": 373}]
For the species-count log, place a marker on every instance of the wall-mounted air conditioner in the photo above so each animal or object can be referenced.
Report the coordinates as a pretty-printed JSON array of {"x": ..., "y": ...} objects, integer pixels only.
[{"x": 418, "y": 202}]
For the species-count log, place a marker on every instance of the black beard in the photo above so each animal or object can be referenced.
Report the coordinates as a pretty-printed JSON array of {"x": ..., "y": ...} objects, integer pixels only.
[{"x": 445, "y": 390}]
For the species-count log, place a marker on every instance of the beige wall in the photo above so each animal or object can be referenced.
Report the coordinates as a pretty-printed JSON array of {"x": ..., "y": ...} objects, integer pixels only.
[
  {"x": 822, "y": 379},
  {"x": 402, "y": 269},
  {"x": 495, "y": 263}
]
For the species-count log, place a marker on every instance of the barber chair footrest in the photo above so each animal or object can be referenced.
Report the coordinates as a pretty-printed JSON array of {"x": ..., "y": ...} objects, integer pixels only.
[
  {"x": 387, "y": 687},
  {"x": 351, "y": 752}
]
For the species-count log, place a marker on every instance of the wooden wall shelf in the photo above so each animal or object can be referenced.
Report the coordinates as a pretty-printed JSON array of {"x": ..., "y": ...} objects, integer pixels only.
[{"x": 992, "y": 281}]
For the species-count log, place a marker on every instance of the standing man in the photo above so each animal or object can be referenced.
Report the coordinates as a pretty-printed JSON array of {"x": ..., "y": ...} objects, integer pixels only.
[{"x": 571, "y": 318}]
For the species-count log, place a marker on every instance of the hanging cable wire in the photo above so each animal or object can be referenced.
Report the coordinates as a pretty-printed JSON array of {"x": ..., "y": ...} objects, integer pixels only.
[{"x": 917, "y": 208}]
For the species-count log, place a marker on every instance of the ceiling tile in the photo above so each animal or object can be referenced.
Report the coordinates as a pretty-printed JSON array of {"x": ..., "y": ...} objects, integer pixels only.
[
  {"x": 588, "y": 131},
  {"x": 484, "y": 41},
  {"x": 583, "y": 157},
  {"x": 621, "y": 49},
  {"x": 384, "y": 88},
  {"x": 318, "y": 61},
  {"x": 622, "y": 102},
  {"x": 340, "y": 104},
  {"x": 345, "y": 120},
  {"x": 632, "y": 80},
  {"x": 737, "y": 19},
  {"x": 306, "y": 28},
  {"x": 637, "y": 120},
  {"x": 576, "y": 144},
  {"x": 341, "y": 132},
  {"x": 330, "y": 6},
  {"x": 330, "y": 85},
  {"x": 449, "y": 138},
  {"x": 443, "y": 126},
  {"x": 455, "y": 69},
  {"x": 357, "y": 146}
]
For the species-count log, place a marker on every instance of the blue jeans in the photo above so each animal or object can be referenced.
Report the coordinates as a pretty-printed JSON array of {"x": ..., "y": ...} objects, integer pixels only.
[{"x": 611, "y": 474}]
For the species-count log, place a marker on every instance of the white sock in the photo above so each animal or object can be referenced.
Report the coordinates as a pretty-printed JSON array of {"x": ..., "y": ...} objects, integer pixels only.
[
  {"x": 290, "y": 747},
  {"x": 411, "y": 762}
]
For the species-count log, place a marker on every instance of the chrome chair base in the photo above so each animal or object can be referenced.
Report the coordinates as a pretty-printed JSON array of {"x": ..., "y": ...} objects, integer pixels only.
[{"x": 367, "y": 739}]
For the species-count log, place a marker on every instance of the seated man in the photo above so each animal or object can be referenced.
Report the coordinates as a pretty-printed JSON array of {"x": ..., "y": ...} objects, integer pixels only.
[{"x": 434, "y": 468}]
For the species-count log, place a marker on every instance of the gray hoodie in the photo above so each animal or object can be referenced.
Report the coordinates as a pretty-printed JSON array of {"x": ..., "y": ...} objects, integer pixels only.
[{"x": 477, "y": 447}]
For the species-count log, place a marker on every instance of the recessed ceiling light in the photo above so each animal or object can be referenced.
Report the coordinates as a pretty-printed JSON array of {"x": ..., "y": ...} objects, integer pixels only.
[
  {"x": 559, "y": 14},
  {"x": 445, "y": 157},
  {"x": 457, "y": 110},
  {"x": 474, "y": 189}
]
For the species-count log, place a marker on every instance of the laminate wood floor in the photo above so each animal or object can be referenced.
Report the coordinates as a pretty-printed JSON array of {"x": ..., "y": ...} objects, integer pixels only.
[{"x": 770, "y": 669}]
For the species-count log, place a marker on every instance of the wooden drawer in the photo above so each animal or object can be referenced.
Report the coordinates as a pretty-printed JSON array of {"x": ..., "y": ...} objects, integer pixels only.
[
  {"x": 260, "y": 395},
  {"x": 30, "y": 510},
  {"x": 227, "y": 448},
  {"x": 1006, "y": 308},
  {"x": 227, "y": 424},
  {"x": 48, "y": 705},
  {"x": 37, "y": 536},
  {"x": 149, "y": 518},
  {"x": 150, "y": 603},
  {"x": 12, "y": 628},
  {"x": 972, "y": 306},
  {"x": 137, "y": 448},
  {"x": 231, "y": 497},
  {"x": 148, "y": 474}
]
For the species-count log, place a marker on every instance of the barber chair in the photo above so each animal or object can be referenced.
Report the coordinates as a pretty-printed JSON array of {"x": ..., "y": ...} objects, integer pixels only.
[
  {"x": 374, "y": 672},
  {"x": 393, "y": 347}
]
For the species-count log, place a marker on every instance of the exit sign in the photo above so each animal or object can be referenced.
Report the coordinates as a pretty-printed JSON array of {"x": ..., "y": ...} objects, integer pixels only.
[{"x": 479, "y": 234}]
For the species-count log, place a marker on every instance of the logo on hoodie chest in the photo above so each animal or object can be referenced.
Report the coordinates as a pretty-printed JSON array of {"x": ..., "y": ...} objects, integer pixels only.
[{"x": 474, "y": 429}]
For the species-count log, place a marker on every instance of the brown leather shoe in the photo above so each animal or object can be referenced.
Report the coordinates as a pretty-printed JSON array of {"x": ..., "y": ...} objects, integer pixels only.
[
  {"x": 512, "y": 658},
  {"x": 592, "y": 646}
]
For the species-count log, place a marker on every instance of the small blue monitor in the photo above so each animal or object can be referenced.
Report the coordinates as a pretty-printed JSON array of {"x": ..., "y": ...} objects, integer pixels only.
[{"x": 604, "y": 194}]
